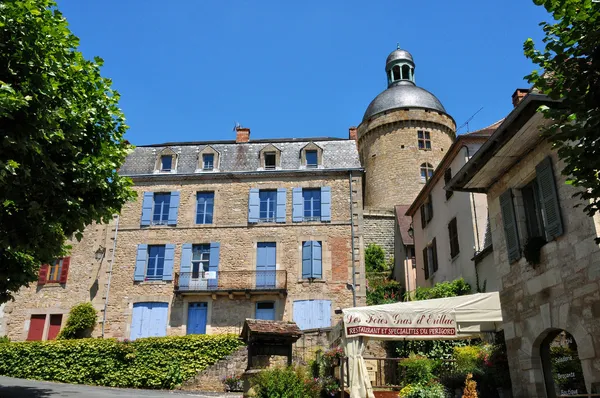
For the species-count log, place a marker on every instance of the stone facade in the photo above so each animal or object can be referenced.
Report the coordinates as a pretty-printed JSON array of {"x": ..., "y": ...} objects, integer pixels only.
[
  {"x": 226, "y": 308},
  {"x": 379, "y": 229}
]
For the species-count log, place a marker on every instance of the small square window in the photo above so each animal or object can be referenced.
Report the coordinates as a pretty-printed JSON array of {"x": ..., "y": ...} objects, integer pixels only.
[
  {"x": 312, "y": 159},
  {"x": 166, "y": 163},
  {"x": 424, "y": 140},
  {"x": 208, "y": 161},
  {"x": 270, "y": 158}
]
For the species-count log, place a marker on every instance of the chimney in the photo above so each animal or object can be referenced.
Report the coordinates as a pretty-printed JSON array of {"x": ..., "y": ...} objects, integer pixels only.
[
  {"x": 518, "y": 95},
  {"x": 352, "y": 133},
  {"x": 242, "y": 134}
]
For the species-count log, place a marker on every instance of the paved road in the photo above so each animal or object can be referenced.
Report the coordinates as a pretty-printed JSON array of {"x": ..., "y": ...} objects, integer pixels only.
[{"x": 19, "y": 388}]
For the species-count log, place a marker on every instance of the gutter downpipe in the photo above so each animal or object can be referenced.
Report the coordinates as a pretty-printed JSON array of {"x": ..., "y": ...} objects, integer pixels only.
[
  {"x": 112, "y": 260},
  {"x": 352, "y": 241}
]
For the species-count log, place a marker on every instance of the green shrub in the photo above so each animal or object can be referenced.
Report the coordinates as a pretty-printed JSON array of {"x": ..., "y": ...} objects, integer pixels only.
[
  {"x": 375, "y": 258},
  {"x": 156, "y": 362},
  {"x": 81, "y": 322},
  {"x": 4, "y": 339},
  {"x": 418, "y": 369},
  {"x": 469, "y": 359},
  {"x": 424, "y": 390},
  {"x": 285, "y": 383}
]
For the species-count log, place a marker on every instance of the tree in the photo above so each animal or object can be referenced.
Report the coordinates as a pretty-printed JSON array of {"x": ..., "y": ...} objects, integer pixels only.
[
  {"x": 61, "y": 141},
  {"x": 570, "y": 71},
  {"x": 375, "y": 258}
]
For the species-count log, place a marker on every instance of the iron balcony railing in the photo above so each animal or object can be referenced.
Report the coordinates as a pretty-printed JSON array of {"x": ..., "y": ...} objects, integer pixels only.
[{"x": 230, "y": 281}]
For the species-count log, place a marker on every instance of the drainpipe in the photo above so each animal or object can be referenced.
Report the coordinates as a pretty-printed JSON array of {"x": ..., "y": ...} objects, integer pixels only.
[
  {"x": 352, "y": 242},
  {"x": 112, "y": 260}
]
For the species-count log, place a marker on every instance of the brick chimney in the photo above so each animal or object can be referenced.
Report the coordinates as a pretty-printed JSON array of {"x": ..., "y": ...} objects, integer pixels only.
[
  {"x": 352, "y": 133},
  {"x": 518, "y": 95},
  {"x": 242, "y": 134}
]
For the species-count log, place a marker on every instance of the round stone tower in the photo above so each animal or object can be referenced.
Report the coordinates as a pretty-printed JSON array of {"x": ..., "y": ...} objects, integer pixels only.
[{"x": 402, "y": 138}]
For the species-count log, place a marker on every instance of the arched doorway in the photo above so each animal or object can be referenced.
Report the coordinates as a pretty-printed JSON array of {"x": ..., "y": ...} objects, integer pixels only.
[{"x": 563, "y": 374}]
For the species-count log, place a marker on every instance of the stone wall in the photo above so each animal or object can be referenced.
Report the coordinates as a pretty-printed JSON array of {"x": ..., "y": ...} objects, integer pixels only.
[
  {"x": 561, "y": 293},
  {"x": 211, "y": 378},
  {"x": 379, "y": 229}
]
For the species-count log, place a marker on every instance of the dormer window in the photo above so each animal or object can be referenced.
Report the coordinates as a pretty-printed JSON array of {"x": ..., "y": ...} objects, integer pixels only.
[
  {"x": 312, "y": 159},
  {"x": 208, "y": 161},
  {"x": 166, "y": 163},
  {"x": 270, "y": 160}
]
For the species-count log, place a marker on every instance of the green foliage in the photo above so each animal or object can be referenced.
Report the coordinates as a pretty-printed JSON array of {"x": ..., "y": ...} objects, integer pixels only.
[
  {"x": 384, "y": 292},
  {"x": 418, "y": 369},
  {"x": 375, "y": 259},
  {"x": 569, "y": 70},
  {"x": 157, "y": 362},
  {"x": 432, "y": 389},
  {"x": 285, "y": 383},
  {"x": 62, "y": 141},
  {"x": 81, "y": 321},
  {"x": 4, "y": 339},
  {"x": 469, "y": 359},
  {"x": 455, "y": 288}
]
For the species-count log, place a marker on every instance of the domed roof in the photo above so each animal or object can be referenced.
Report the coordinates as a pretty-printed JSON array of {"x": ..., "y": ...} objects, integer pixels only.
[
  {"x": 403, "y": 96},
  {"x": 399, "y": 54}
]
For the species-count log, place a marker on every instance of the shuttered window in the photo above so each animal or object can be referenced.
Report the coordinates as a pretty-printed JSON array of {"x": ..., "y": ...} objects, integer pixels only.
[
  {"x": 509, "y": 221},
  {"x": 430, "y": 260},
  {"x": 268, "y": 206},
  {"x": 447, "y": 178},
  {"x": 204, "y": 207},
  {"x": 549, "y": 199},
  {"x": 453, "y": 234},
  {"x": 312, "y": 204},
  {"x": 426, "y": 263},
  {"x": 154, "y": 262},
  {"x": 56, "y": 272},
  {"x": 312, "y": 260}
]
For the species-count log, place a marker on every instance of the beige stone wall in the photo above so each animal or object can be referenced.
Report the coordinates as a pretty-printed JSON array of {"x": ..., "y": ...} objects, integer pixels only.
[
  {"x": 389, "y": 153},
  {"x": 563, "y": 292},
  {"x": 379, "y": 229}
]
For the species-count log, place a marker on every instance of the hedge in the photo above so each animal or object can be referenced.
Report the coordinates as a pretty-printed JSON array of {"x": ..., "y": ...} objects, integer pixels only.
[{"x": 155, "y": 362}]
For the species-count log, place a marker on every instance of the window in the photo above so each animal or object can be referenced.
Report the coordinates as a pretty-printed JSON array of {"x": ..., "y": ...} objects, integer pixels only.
[
  {"x": 532, "y": 209},
  {"x": 204, "y": 207},
  {"x": 312, "y": 260},
  {"x": 426, "y": 172},
  {"x": 208, "y": 161},
  {"x": 55, "y": 270},
  {"x": 265, "y": 310},
  {"x": 411, "y": 254},
  {"x": 426, "y": 212},
  {"x": 268, "y": 205},
  {"x": 312, "y": 204},
  {"x": 160, "y": 214},
  {"x": 312, "y": 159},
  {"x": 270, "y": 160},
  {"x": 37, "y": 326},
  {"x": 430, "y": 264},
  {"x": 424, "y": 139},
  {"x": 166, "y": 162},
  {"x": 405, "y": 72},
  {"x": 453, "y": 233},
  {"x": 156, "y": 262},
  {"x": 200, "y": 260},
  {"x": 395, "y": 73},
  {"x": 447, "y": 178}
]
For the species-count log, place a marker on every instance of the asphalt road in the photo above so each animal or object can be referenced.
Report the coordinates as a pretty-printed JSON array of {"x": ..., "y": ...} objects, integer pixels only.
[{"x": 19, "y": 388}]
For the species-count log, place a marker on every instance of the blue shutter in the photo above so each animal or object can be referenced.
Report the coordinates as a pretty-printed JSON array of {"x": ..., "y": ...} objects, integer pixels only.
[
  {"x": 325, "y": 203},
  {"x": 136, "y": 321},
  {"x": 317, "y": 267},
  {"x": 169, "y": 260},
  {"x": 306, "y": 260},
  {"x": 213, "y": 263},
  {"x": 253, "y": 205},
  {"x": 267, "y": 314},
  {"x": 185, "y": 266},
  {"x": 158, "y": 320},
  {"x": 281, "y": 205},
  {"x": 549, "y": 199},
  {"x": 173, "y": 207},
  {"x": 297, "y": 205},
  {"x": 302, "y": 314},
  {"x": 140, "y": 262},
  {"x": 147, "y": 204},
  {"x": 322, "y": 313}
]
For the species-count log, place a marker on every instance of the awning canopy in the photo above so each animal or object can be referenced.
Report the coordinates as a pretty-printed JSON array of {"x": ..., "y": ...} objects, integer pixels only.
[{"x": 437, "y": 319}]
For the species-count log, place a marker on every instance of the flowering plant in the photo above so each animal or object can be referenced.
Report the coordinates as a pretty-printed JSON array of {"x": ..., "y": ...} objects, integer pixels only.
[
  {"x": 334, "y": 353},
  {"x": 233, "y": 383},
  {"x": 329, "y": 385}
]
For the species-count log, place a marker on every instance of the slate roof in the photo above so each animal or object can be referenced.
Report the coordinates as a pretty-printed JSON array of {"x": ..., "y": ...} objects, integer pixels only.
[
  {"x": 404, "y": 223},
  {"x": 243, "y": 157},
  {"x": 255, "y": 328}
]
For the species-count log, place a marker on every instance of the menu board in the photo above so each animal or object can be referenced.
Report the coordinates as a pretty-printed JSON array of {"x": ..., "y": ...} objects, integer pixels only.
[{"x": 566, "y": 367}]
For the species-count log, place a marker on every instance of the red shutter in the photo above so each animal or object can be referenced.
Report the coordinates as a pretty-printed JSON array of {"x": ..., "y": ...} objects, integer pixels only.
[
  {"x": 54, "y": 328},
  {"x": 43, "y": 274},
  {"x": 64, "y": 270},
  {"x": 36, "y": 327}
]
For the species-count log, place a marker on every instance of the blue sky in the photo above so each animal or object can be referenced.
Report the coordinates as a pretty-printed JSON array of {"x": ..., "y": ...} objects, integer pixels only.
[{"x": 189, "y": 69}]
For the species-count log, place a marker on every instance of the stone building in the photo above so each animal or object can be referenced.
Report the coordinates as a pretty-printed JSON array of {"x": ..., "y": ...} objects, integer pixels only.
[
  {"x": 449, "y": 228},
  {"x": 545, "y": 255},
  {"x": 404, "y": 134},
  {"x": 220, "y": 232}
]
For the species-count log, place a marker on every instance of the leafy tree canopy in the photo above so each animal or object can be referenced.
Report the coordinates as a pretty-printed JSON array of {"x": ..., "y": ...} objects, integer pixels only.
[
  {"x": 61, "y": 133},
  {"x": 569, "y": 69}
]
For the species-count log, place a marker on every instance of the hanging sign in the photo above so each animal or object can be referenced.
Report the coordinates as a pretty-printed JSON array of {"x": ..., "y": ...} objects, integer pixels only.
[{"x": 394, "y": 324}]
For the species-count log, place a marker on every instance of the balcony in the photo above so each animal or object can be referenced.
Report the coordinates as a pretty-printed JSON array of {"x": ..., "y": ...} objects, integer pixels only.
[{"x": 231, "y": 282}]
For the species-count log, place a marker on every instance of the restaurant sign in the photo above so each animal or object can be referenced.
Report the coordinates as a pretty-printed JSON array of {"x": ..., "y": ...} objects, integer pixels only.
[{"x": 397, "y": 324}]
